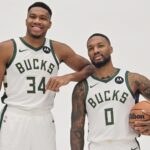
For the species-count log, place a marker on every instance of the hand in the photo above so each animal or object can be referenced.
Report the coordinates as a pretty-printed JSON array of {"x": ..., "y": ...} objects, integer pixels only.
[
  {"x": 56, "y": 82},
  {"x": 143, "y": 127}
]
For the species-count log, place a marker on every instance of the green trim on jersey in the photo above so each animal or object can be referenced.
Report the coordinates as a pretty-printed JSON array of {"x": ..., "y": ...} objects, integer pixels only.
[
  {"x": 28, "y": 45},
  {"x": 14, "y": 53},
  {"x": 108, "y": 78},
  {"x": 127, "y": 83},
  {"x": 4, "y": 97},
  {"x": 138, "y": 142},
  {"x": 2, "y": 115},
  {"x": 52, "y": 49}
]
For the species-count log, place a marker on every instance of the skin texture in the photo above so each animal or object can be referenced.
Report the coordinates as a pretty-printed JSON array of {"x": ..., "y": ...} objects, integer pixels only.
[
  {"x": 99, "y": 49},
  {"x": 38, "y": 22}
]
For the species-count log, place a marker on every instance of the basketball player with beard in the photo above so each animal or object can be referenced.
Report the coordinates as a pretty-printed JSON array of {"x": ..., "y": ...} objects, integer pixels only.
[
  {"x": 27, "y": 64},
  {"x": 106, "y": 97}
]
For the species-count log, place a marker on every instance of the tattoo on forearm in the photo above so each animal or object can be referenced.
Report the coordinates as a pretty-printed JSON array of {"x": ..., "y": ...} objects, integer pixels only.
[{"x": 78, "y": 118}]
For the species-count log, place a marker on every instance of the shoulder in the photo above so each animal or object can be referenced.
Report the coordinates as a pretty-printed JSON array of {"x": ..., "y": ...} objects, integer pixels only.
[
  {"x": 6, "y": 49},
  {"x": 132, "y": 76},
  {"x": 59, "y": 45},
  {"x": 62, "y": 50},
  {"x": 80, "y": 86},
  {"x": 137, "y": 80},
  {"x": 6, "y": 44}
]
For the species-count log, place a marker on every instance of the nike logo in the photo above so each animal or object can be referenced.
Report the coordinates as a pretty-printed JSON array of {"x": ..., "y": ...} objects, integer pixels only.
[
  {"x": 22, "y": 50},
  {"x": 91, "y": 86},
  {"x": 134, "y": 148}
]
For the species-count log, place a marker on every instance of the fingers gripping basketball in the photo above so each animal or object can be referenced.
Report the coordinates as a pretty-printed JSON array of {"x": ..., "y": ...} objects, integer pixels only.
[{"x": 137, "y": 113}]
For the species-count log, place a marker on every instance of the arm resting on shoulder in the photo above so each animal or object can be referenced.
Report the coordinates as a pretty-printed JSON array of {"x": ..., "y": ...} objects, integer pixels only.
[{"x": 82, "y": 67}]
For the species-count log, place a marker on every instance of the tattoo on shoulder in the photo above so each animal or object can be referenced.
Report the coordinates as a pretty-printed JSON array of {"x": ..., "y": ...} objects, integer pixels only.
[
  {"x": 141, "y": 83},
  {"x": 79, "y": 90}
]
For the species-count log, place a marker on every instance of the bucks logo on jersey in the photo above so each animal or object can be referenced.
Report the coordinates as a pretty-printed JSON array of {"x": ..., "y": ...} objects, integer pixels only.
[
  {"x": 107, "y": 96},
  {"x": 34, "y": 64}
]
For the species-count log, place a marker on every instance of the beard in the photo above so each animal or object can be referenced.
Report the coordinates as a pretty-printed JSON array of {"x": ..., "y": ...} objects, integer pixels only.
[
  {"x": 36, "y": 36},
  {"x": 101, "y": 63}
]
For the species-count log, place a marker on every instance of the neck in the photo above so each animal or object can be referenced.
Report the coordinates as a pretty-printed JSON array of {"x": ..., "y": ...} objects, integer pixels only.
[
  {"x": 105, "y": 71},
  {"x": 33, "y": 41}
]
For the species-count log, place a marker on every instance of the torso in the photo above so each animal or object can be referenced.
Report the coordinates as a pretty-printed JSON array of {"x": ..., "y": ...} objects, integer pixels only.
[
  {"x": 28, "y": 71},
  {"x": 108, "y": 104}
]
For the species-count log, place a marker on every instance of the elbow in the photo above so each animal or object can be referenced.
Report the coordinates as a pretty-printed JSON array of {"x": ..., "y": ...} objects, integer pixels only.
[{"x": 89, "y": 70}]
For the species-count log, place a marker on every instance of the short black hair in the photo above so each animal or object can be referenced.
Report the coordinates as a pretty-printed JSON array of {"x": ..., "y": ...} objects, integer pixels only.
[
  {"x": 99, "y": 34},
  {"x": 42, "y": 5}
]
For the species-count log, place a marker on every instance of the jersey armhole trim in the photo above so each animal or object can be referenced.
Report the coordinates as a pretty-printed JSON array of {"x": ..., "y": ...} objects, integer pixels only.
[
  {"x": 14, "y": 53},
  {"x": 54, "y": 55},
  {"x": 127, "y": 83},
  {"x": 2, "y": 115}
]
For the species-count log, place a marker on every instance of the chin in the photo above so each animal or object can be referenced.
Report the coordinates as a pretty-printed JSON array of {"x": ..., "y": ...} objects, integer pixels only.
[
  {"x": 99, "y": 64},
  {"x": 36, "y": 36}
]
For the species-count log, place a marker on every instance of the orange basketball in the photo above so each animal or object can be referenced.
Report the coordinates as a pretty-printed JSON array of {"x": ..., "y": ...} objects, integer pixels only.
[{"x": 136, "y": 113}]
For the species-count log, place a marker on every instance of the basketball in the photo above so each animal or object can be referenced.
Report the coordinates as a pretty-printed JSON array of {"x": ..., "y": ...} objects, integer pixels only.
[{"x": 136, "y": 113}]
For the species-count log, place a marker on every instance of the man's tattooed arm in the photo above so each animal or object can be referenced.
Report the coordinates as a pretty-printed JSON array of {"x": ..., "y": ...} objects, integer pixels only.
[
  {"x": 140, "y": 83},
  {"x": 78, "y": 117}
]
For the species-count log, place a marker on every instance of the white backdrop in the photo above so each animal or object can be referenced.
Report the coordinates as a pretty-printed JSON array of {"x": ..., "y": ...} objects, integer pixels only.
[{"x": 125, "y": 22}]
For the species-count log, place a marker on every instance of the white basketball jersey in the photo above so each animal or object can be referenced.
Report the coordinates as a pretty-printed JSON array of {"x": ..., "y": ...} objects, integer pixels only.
[
  {"x": 27, "y": 75},
  {"x": 108, "y": 104}
]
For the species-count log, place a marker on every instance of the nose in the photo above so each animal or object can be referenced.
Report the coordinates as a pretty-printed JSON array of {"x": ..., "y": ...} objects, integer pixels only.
[
  {"x": 96, "y": 50},
  {"x": 36, "y": 20}
]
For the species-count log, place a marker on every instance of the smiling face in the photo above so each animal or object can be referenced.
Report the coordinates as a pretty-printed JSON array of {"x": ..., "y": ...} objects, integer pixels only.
[
  {"x": 38, "y": 22},
  {"x": 99, "y": 50}
]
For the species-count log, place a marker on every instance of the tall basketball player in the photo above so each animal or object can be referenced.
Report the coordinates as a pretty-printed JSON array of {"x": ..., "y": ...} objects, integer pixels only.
[
  {"x": 106, "y": 97},
  {"x": 26, "y": 65}
]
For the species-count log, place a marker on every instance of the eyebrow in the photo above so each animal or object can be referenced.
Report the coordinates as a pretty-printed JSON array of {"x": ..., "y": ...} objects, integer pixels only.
[{"x": 96, "y": 43}]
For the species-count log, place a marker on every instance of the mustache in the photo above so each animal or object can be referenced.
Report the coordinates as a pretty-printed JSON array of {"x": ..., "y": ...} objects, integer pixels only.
[{"x": 98, "y": 53}]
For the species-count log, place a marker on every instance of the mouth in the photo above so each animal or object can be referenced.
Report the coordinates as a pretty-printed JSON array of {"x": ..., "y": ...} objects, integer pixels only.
[
  {"x": 98, "y": 57},
  {"x": 36, "y": 28}
]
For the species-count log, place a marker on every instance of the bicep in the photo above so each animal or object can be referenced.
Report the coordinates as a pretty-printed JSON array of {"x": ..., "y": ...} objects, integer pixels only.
[
  {"x": 2, "y": 68},
  {"x": 67, "y": 55},
  {"x": 145, "y": 87},
  {"x": 140, "y": 83},
  {"x": 78, "y": 106},
  {"x": 73, "y": 60},
  {"x": 6, "y": 50}
]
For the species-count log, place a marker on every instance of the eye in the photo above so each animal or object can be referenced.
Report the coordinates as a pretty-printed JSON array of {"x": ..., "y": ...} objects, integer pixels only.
[
  {"x": 100, "y": 46},
  {"x": 32, "y": 16},
  {"x": 90, "y": 49},
  {"x": 44, "y": 18}
]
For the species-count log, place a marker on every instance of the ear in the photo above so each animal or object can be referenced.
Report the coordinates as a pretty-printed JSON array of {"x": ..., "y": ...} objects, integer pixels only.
[
  {"x": 111, "y": 49},
  {"x": 50, "y": 24}
]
